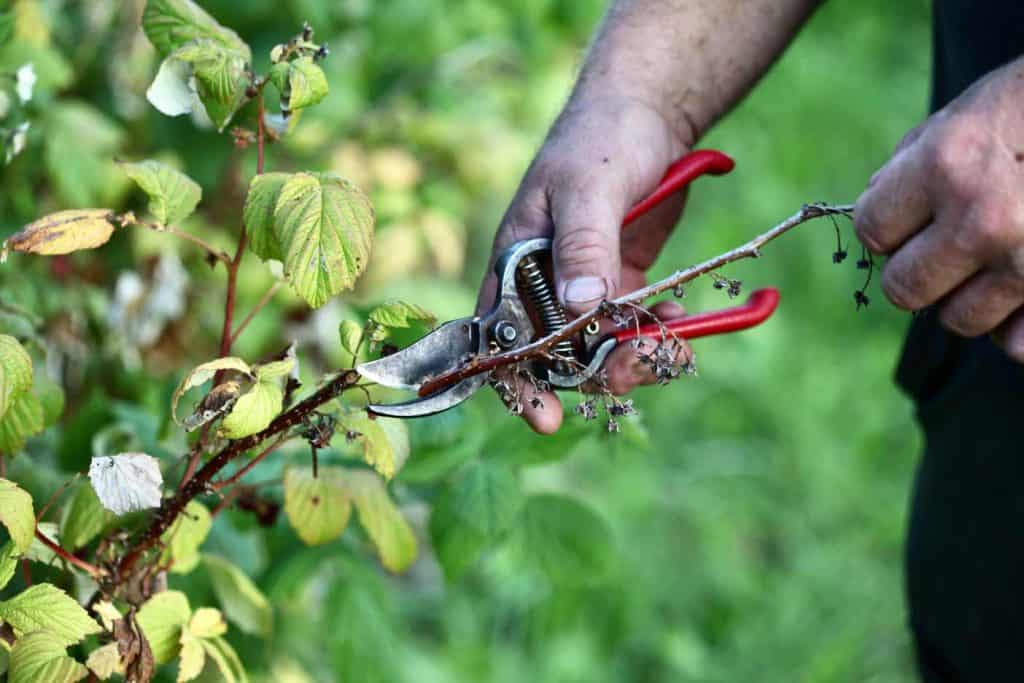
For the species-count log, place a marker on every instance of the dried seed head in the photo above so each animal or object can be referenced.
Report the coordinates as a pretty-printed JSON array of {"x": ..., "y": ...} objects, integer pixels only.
[
  {"x": 863, "y": 264},
  {"x": 613, "y": 426},
  {"x": 861, "y": 298},
  {"x": 679, "y": 292},
  {"x": 586, "y": 409}
]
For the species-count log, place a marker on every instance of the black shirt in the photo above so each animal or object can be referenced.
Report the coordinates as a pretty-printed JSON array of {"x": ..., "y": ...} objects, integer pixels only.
[{"x": 965, "y": 551}]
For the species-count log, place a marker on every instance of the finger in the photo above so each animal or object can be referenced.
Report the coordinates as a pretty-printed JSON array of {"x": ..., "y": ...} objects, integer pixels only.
[
  {"x": 624, "y": 369},
  {"x": 929, "y": 266},
  {"x": 527, "y": 217},
  {"x": 896, "y": 204},
  {"x": 541, "y": 409},
  {"x": 1010, "y": 336},
  {"x": 587, "y": 217},
  {"x": 982, "y": 303}
]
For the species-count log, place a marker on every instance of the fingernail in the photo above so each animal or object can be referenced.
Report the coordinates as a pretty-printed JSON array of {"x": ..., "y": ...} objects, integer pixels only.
[{"x": 583, "y": 290}]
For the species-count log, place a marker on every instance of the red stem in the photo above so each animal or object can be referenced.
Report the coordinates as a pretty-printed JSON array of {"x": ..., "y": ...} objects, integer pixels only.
[
  {"x": 217, "y": 486},
  {"x": 64, "y": 554}
]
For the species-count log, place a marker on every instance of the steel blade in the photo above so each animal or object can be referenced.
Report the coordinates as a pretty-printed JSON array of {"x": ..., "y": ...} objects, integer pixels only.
[
  {"x": 433, "y": 404},
  {"x": 433, "y": 355}
]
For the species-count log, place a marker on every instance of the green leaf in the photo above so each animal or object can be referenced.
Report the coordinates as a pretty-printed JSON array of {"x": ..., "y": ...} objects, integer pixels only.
[
  {"x": 169, "y": 24},
  {"x": 565, "y": 539},
  {"x": 15, "y": 371},
  {"x": 474, "y": 512},
  {"x": 186, "y": 535},
  {"x": 351, "y": 334},
  {"x": 41, "y": 656},
  {"x": 221, "y": 78},
  {"x": 242, "y": 601},
  {"x": 84, "y": 518},
  {"x": 38, "y": 552},
  {"x": 384, "y": 523},
  {"x": 317, "y": 508},
  {"x": 105, "y": 661},
  {"x": 161, "y": 619},
  {"x": 23, "y": 419},
  {"x": 173, "y": 196},
  {"x": 204, "y": 373},
  {"x": 192, "y": 658},
  {"x": 384, "y": 440},
  {"x": 254, "y": 410},
  {"x": 400, "y": 314},
  {"x": 325, "y": 226},
  {"x": 80, "y": 144},
  {"x": 307, "y": 82},
  {"x": 8, "y": 562},
  {"x": 16, "y": 514},
  {"x": 46, "y": 607},
  {"x": 258, "y": 215},
  {"x": 207, "y": 622}
]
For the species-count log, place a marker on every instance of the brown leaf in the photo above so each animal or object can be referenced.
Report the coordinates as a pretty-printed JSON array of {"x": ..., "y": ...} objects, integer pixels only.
[
  {"x": 65, "y": 232},
  {"x": 134, "y": 650}
]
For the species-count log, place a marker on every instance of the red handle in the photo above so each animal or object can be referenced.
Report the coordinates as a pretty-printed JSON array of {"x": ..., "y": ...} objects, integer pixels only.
[
  {"x": 679, "y": 175},
  {"x": 759, "y": 307}
]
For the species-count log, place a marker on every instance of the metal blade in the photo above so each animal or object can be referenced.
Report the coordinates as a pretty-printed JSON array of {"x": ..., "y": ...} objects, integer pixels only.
[
  {"x": 435, "y": 403},
  {"x": 434, "y": 354}
]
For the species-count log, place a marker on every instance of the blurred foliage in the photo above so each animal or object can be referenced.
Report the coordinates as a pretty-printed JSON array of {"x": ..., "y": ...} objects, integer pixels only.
[{"x": 757, "y": 509}]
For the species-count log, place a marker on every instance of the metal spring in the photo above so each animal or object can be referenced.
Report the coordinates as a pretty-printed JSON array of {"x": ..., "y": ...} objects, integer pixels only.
[{"x": 551, "y": 313}]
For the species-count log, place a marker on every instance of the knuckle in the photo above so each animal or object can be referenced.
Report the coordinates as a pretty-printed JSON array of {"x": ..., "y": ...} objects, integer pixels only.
[
  {"x": 582, "y": 247},
  {"x": 956, "y": 152},
  {"x": 961, "y": 319},
  {"x": 988, "y": 228},
  {"x": 867, "y": 225},
  {"x": 901, "y": 287}
]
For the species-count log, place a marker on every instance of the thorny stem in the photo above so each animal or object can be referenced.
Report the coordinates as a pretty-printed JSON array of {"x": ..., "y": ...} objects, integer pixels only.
[
  {"x": 201, "y": 482},
  {"x": 93, "y": 571},
  {"x": 752, "y": 249},
  {"x": 256, "y": 309}
]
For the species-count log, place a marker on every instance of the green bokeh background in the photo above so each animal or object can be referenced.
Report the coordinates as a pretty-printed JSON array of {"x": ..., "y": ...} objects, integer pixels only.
[{"x": 758, "y": 511}]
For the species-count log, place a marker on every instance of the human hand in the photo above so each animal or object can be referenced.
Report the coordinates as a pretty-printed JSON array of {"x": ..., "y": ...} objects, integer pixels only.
[
  {"x": 601, "y": 157},
  {"x": 948, "y": 210}
]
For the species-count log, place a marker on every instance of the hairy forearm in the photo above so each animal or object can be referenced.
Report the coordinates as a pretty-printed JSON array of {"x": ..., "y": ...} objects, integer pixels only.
[{"x": 691, "y": 60}]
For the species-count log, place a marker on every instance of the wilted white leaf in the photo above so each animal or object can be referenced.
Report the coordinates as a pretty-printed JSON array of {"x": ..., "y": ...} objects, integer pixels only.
[
  {"x": 25, "y": 81},
  {"x": 173, "y": 91},
  {"x": 127, "y": 482},
  {"x": 16, "y": 141}
]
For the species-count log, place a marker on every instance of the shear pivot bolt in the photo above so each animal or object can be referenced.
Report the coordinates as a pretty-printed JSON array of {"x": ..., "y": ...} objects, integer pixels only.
[{"x": 505, "y": 333}]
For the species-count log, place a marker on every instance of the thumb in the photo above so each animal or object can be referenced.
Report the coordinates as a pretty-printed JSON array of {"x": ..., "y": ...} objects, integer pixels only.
[{"x": 586, "y": 245}]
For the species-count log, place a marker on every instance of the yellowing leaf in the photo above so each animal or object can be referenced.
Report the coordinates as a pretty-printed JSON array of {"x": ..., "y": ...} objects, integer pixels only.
[
  {"x": 351, "y": 334},
  {"x": 227, "y": 661},
  {"x": 390, "y": 533},
  {"x": 161, "y": 619},
  {"x": 173, "y": 196},
  {"x": 254, "y": 410},
  {"x": 105, "y": 661},
  {"x": 169, "y": 24},
  {"x": 186, "y": 535},
  {"x": 84, "y": 518},
  {"x": 325, "y": 227},
  {"x": 400, "y": 314},
  {"x": 259, "y": 215},
  {"x": 308, "y": 83},
  {"x": 385, "y": 441},
  {"x": 24, "y": 418},
  {"x": 317, "y": 508},
  {"x": 16, "y": 514},
  {"x": 108, "y": 614},
  {"x": 207, "y": 622},
  {"x": 274, "y": 369},
  {"x": 242, "y": 601},
  {"x": 15, "y": 371},
  {"x": 204, "y": 373},
  {"x": 192, "y": 658},
  {"x": 64, "y": 232},
  {"x": 43, "y": 606},
  {"x": 41, "y": 656}
]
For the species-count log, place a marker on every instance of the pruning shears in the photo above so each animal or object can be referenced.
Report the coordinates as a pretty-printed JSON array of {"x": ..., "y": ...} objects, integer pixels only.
[{"x": 526, "y": 308}]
